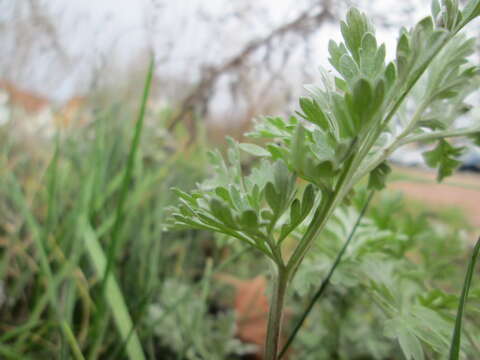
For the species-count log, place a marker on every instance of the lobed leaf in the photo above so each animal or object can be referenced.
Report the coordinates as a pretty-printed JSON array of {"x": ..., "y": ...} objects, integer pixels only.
[
  {"x": 444, "y": 157},
  {"x": 254, "y": 150},
  {"x": 378, "y": 176},
  {"x": 353, "y": 30},
  {"x": 313, "y": 113}
]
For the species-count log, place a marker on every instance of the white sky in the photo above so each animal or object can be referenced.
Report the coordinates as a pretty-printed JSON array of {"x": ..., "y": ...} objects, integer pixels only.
[{"x": 120, "y": 29}]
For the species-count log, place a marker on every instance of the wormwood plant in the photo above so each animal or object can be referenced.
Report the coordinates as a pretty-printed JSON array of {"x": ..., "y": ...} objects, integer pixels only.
[{"x": 348, "y": 128}]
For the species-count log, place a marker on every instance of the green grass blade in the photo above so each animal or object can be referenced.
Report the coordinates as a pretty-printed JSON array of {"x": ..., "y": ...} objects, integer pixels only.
[
  {"x": 457, "y": 332},
  {"x": 113, "y": 296},
  {"x": 128, "y": 175},
  {"x": 39, "y": 240},
  {"x": 8, "y": 353}
]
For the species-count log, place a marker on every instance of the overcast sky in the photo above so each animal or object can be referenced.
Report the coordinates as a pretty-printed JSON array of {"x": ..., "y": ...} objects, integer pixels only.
[{"x": 186, "y": 34}]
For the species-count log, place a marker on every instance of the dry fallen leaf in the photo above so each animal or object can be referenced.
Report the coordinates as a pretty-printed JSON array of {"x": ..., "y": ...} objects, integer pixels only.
[{"x": 251, "y": 306}]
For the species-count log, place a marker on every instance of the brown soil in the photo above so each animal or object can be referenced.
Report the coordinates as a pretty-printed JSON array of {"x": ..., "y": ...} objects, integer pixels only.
[{"x": 460, "y": 191}]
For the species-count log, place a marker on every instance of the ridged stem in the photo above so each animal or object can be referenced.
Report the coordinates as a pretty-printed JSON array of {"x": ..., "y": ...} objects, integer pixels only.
[{"x": 275, "y": 315}]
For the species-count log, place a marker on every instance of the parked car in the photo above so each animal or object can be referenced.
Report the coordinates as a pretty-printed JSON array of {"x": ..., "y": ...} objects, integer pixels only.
[
  {"x": 470, "y": 160},
  {"x": 409, "y": 156}
]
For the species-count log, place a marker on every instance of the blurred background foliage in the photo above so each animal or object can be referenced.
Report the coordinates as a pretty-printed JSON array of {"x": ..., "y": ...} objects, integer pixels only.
[{"x": 183, "y": 289}]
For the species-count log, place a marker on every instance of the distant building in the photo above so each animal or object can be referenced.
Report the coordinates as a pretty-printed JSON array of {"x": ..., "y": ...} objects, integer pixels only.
[{"x": 36, "y": 114}]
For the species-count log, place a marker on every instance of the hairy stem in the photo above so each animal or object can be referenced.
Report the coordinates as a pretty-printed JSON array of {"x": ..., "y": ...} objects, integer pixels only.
[
  {"x": 326, "y": 281},
  {"x": 440, "y": 134},
  {"x": 280, "y": 281}
]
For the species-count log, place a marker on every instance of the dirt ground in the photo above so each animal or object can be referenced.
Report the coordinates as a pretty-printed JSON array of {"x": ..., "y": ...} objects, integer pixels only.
[{"x": 461, "y": 190}]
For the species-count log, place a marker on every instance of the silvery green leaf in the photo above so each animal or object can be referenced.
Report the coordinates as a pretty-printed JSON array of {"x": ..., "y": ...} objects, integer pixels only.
[
  {"x": 273, "y": 199},
  {"x": 308, "y": 199},
  {"x": 284, "y": 179},
  {"x": 323, "y": 147},
  {"x": 254, "y": 149},
  {"x": 348, "y": 68},
  {"x": 249, "y": 220},
  {"x": 361, "y": 103},
  {"x": 183, "y": 195},
  {"x": 444, "y": 157},
  {"x": 295, "y": 211},
  {"x": 345, "y": 123},
  {"x": 313, "y": 113},
  {"x": 378, "y": 176},
  {"x": 471, "y": 11},
  {"x": 403, "y": 54},
  {"x": 371, "y": 57},
  {"x": 237, "y": 200},
  {"x": 222, "y": 212},
  {"x": 411, "y": 346},
  {"x": 223, "y": 193},
  {"x": 390, "y": 76},
  {"x": 451, "y": 14},
  {"x": 278, "y": 152},
  {"x": 336, "y": 52},
  {"x": 353, "y": 30},
  {"x": 435, "y": 8},
  {"x": 259, "y": 175}
]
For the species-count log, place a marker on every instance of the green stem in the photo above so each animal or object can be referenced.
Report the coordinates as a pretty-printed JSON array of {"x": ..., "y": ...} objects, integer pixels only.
[
  {"x": 455, "y": 347},
  {"x": 280, "y": 281},
  {"x": 345, "y": 183},
  {"x": 319, "y": 221},
  {"x": 72, "y": 341},
  {"x": 385, "y": 153},
  {"x": 440, "y": 134},
  {"x": 326, "y": 281}
]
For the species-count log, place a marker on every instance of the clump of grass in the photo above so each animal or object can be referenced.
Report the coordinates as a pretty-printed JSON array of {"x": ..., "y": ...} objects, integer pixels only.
[{"x": 84, "y": 212}]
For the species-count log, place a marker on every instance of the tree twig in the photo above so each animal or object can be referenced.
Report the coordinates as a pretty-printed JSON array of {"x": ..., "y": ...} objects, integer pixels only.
[{"x": 305, "y": 23}]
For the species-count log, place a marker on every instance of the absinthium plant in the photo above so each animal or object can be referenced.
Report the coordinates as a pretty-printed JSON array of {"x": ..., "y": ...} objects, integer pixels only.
[{"x": 349, "y": 127}]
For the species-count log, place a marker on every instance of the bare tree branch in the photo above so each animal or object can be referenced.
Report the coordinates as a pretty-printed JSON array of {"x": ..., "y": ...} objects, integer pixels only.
[
  {"x": 43, "y": 21},
  {"x": 304, "y": 24}
]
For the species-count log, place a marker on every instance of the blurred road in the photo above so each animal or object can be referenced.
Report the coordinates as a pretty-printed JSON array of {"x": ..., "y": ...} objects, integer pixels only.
[{"x": 461, "y": 190}]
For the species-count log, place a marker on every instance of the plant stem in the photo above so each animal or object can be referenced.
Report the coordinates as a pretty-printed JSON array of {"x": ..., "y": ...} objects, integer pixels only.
[
  {"x": 326, "y": 281},
  {"x": 277, "y": 300},
  {"x": 440, "y": 134},
  {"x": 455, "y": 347}
]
